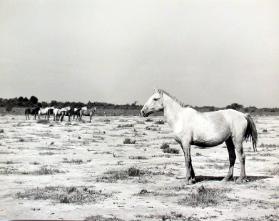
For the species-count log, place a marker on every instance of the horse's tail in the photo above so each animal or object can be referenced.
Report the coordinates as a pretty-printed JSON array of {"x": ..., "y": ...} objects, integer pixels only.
[{"x": 251, "y": 131}]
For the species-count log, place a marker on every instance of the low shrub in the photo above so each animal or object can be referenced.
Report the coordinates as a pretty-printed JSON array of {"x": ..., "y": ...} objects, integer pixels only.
[
  {"x": 129, "y": 141},
  {"x": 160, "y": 122},
  {"x": 204, "y": 197},
  {"x": 167, "y": 149}
]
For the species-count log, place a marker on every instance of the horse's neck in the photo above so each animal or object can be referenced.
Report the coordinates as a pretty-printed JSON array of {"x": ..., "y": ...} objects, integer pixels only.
[{"x": 171, "y": 110}]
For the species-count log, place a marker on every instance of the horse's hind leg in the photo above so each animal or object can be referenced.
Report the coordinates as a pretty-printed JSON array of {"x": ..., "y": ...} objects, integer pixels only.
[
  {"x": 241, "y": 157},
  {"x": 231, "y": 151}
]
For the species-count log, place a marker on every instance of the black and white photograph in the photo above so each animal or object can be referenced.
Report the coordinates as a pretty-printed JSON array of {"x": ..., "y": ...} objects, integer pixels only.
[{"x": 139, "y": 110}]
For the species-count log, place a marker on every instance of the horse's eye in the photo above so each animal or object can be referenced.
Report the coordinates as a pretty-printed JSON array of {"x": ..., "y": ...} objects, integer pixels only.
[{"x": 155, "y": 99}]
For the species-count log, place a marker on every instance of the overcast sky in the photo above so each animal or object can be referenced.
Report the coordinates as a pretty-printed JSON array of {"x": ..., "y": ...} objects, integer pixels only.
[{"x": 203, "y": 52}]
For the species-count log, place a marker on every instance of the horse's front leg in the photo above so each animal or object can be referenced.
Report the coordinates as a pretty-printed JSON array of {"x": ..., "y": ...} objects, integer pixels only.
[{"x": 190, "y": 174}]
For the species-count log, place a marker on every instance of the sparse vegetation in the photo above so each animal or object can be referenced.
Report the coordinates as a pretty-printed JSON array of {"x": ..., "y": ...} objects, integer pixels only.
[
  {"x": 73, "y": 161},
  {"x": 125, "y": 125},
  {"x": 138, "y": 157},
  {"x": 171, "y": 150},
  {"x": 7, "y": 170},
  {"x": 44, "y": 170},
  {"x": 102, "y": 218},
  {"x": 74, "y": 194},
  {"x": 172, "y": 216},
  {"x": 47, "y": 153},
  {"x": 152, "y": 128},
  {"x": 42, "y": 121},
  {"x": 132, "y": 171},
  {"x": 274, "y": 171},
  {"x": 205, "y": 197},
  {"x": 8, "y": 162},
  {"x": 164, "y": 146},
  {"x": 115, "y": 175},
  {"x": 159, "y": 122},
  {"x": 271, "y": 217},
  {"x": 139, "y": 172},
  {"x": 167, "y": 149},
  {"x": 129, "y": 141}
]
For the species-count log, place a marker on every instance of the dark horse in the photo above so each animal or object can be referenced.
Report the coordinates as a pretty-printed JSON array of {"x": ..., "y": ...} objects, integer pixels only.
[{"x": 33, "y": 111}]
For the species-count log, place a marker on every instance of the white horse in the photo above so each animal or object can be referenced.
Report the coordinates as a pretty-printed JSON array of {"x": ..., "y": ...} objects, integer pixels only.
[
  {"x": 45, "y": 111},
  {"x": 64, "y": 111},
  {"x": 191, "y": 127},
  {"x": 56, "y": 114},
  {"x": 87, "y": 112}
]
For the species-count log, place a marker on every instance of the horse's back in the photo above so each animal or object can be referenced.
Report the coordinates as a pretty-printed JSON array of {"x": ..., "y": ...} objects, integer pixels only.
[{"x": 213, "y": 128}]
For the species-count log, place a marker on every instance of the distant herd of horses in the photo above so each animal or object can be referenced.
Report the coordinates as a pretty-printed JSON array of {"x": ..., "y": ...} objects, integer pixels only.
[{"x": 59, "y": 113}]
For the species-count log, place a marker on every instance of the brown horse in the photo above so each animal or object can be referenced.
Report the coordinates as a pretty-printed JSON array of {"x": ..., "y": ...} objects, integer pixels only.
[{"x": 31, "y": 111}]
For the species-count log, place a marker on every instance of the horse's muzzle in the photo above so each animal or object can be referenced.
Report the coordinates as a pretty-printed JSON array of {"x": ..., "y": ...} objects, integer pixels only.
[
  {"x": 145, "y": 113},
  {"x": 142, "y": 113}
]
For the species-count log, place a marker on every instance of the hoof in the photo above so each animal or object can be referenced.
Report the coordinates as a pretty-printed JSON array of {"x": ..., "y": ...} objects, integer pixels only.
[
  {"x": 227, "y": 179},
  {"x": 191, "y": 181},
  {"x": 241, "y": 180}
]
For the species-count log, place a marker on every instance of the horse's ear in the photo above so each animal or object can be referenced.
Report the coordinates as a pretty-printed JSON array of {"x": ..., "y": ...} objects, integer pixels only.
[{"x": 156, "y": 90}]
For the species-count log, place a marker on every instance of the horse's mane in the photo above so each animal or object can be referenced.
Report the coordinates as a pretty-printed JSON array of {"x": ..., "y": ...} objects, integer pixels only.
[{"x": 161, "y": 91}]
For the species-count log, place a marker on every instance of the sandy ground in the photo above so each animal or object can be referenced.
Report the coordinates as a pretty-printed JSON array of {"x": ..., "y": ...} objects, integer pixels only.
[{"x": 76, "y": 170}]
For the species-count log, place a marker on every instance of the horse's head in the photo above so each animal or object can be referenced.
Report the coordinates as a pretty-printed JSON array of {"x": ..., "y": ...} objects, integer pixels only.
[{"x": 153, "y": 104}]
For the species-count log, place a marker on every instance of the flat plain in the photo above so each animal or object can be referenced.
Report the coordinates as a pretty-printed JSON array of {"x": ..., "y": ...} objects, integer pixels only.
[{"x": 129, "y": 168}]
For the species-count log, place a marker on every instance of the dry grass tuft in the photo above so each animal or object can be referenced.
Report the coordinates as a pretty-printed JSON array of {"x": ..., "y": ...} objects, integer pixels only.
[
  {"x": 44, "y": 170},
  {"x": 113, "y": 176},
  {"x": 138, "y": 157},
  {"x": 168, "y": 217},
  {"x": 9, "y": 162},
  {"x": 129, "y": 141},
  {"x": 205, "y": 197},
  {"x": 102, "y": 218},
  {"x": 42, "y": 121},
  {"x": 274, "y": 171},
  {"x": 73, "y": 161},
  {"x": 266, "y": 217},
  {"x": 164, "y": 146},
  {"x": 76, "y": 195},
  {"x": 152, "y": 128},
  {"x": 171, "y": 150},
  {"x": 159, "y": 122},
  {"x": 125, "y": 125},
  {"x": 132, "y": 171},
  {"x": 167, "y": 149},
  {"x": 47, "y": 153},
  {"x": 7, "y": 170}
]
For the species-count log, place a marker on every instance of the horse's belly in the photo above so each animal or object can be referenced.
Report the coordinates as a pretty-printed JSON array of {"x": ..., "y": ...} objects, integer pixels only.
[{"x": 211, "y": 138}]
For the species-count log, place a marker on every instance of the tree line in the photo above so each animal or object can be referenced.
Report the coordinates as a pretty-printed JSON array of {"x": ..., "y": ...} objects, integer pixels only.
[{"x": 34, "y": 101}]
